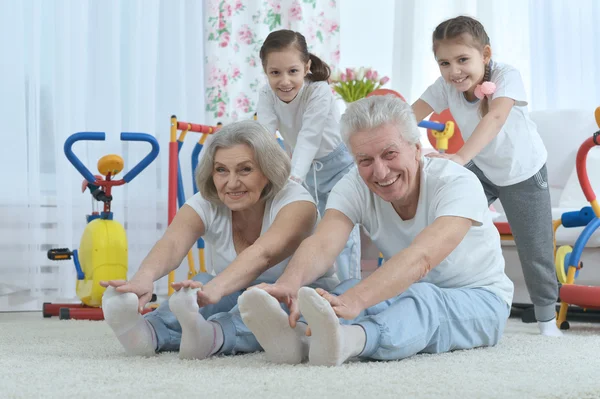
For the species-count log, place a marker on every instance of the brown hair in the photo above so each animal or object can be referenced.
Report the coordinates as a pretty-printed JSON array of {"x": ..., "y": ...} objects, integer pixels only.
[
  {"x": 283, "y": 39},
  {"x": 470, "y": 32}
]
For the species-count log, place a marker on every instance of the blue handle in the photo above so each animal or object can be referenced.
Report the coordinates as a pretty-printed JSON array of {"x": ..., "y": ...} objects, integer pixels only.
[
  {"x": 80, "y": 274},
  {"x": 584, "y": 237},
  {"x": 578, "y": 218},
  {"x": 147, "y": 159},
  {"x": 94, "y": 136},
  {"x": 432, "y": 125}
]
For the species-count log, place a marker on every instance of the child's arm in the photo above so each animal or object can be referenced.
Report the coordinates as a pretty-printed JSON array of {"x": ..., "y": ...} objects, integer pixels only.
[
  {"x": 486, "y": 130},
  {"x": 310, "y": 135},
  {"x": 421, "y": 109}
]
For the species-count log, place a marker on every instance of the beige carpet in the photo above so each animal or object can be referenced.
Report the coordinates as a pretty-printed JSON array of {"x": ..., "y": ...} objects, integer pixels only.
[{"x": 50, "y": 358}]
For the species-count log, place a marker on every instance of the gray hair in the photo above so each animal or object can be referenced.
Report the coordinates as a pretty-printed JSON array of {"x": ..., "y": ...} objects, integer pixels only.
[
  {"x": 371, "y": 112},
  {"x": 273, "y": 162}
]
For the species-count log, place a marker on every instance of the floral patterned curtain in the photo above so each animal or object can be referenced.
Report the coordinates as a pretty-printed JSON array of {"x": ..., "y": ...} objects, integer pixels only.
[{"x": 234, "y": 33}]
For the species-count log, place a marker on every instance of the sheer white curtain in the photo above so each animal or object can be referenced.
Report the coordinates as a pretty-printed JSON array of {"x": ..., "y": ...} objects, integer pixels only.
[{"x": 86, "y": 66}]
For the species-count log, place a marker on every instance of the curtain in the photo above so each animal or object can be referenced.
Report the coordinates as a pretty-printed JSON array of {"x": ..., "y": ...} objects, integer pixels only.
[
  {"x": 87, "y": 66},
  {"x": 234, "y": 33}
]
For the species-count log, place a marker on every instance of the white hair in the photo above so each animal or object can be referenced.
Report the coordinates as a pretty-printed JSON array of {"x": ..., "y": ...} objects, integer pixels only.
[
  {"x": 371, "y": 112},
  {"x": 273, "y": 162}
]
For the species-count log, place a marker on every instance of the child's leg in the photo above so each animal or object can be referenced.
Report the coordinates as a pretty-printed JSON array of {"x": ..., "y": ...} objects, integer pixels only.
[
  {"x": 491, "y": 191},
  {"x": 529, "y": 212},
  {"x": 322, "y": 177}
]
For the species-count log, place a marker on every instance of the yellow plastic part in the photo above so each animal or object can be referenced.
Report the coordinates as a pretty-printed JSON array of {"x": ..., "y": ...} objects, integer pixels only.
[
  {"x": 597, "y": 115},
  {"x": 102, "y": 256},
  {"x": 112, "y": 164},
  {"x": 559, "y": 262},
  {"x": 443, "y": 136}
]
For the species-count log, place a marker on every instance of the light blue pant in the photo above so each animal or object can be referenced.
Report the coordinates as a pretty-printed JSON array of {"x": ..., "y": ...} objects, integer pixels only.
[
  {"x": 328, "y": 171},
  {"x": 236, "y": 336},
  {"x": 429, "y": 319}
]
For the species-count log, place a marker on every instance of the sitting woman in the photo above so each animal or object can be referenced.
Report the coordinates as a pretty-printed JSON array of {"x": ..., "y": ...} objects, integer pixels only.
[{"x": 251, "y": 216}]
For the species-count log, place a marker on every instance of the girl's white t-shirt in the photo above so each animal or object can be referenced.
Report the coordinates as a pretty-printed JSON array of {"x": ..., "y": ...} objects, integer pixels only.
[
  {"x": 309, "y": 124},
  {"x": 517, "y": 152}
]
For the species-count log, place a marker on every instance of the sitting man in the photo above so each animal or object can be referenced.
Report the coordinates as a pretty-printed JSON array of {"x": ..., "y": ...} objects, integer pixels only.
[{"x": 442, "y": 286}]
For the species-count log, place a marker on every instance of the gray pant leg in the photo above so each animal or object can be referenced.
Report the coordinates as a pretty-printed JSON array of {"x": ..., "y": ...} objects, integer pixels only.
[
  {"x": 529, "y": 212},
  {"x": 491, "y": 191}
]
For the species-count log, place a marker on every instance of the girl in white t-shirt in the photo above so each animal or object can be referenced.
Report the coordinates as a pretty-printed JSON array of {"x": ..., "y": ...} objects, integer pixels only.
[
  {"x": 502, "y": 147},
  {"x": 299, "y": 103}
]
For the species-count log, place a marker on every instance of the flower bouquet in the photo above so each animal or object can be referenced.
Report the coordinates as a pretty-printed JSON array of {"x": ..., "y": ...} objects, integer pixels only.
[{"x": 355, "y": 84}]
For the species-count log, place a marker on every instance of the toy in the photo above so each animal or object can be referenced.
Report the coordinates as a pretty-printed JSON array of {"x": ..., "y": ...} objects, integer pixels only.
[
  {"x": 102, "y": 253},
  {"x": 567, "y": 258},
  {"x": 176, "y": 191}
]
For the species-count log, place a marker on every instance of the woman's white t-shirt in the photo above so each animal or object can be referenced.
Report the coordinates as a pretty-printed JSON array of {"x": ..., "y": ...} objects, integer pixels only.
[{"x": 218, "y": 234}]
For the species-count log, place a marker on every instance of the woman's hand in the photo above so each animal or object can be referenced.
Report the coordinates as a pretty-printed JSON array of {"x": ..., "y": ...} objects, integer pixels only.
[
  {"x": 284, "y": 294},
  {"x": 206, "y": 294},
  {"x": 141, "y": 286}
]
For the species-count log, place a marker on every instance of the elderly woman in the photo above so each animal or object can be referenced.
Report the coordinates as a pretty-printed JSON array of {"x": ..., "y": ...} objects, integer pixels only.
[
  {"x": 253, "y": 218},
  {"x": 442, "y": 286}
]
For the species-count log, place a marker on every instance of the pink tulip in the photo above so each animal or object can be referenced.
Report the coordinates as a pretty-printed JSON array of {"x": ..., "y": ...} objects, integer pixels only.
[
  {"x": 384, "y": 80},
  {"x": 369, "y": 74},
  {"x": 343, "y": 77},
  {"x": 351, "y": 75},
  {"x": 375, "y": 75}
]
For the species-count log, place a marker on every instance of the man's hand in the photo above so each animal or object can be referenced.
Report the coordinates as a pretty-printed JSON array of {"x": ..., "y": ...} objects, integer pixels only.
[
  {"x": 206, "y": 295},
  {"x": 284, "y": 294},
  {"x": 344, "y": 306}
]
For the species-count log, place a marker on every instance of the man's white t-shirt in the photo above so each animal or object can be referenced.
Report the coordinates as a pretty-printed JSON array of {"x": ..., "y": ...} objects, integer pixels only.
[
  {"x": 309, "y": 124},
  {"x": 446, "y": 189},
  {"x": 218, "y": 234},
  {"x": 517, "y": 152}
]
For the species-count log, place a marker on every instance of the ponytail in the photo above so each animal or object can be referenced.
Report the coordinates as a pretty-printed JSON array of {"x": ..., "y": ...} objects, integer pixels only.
[
  {"x": 319, "y": 70},
  {"x": 484, "y": 106}
]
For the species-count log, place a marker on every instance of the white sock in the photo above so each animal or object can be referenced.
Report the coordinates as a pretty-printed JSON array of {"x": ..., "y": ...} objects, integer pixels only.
[
  {"x": 269, "y": 323},
  {"x": 199, "y": 338},
  {"x": 133, "y": 331},
  {"x": 331, "y": 342},
  {"x": 549, "y": 328}
]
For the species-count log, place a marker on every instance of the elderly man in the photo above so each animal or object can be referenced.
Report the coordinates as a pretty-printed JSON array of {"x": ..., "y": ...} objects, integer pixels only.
[{"x": 442, "y": 286}]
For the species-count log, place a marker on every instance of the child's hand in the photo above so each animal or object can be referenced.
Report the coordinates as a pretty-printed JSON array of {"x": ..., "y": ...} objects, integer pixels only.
[{"x": 453, "y": 157}]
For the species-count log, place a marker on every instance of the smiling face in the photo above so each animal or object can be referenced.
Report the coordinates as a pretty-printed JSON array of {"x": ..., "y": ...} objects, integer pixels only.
[
  {"x": 286, "y": 71},
  {"x": 388, "y": 164},
  {"x": 461, "y": 65},
  {"x": 237, "y": 177}
]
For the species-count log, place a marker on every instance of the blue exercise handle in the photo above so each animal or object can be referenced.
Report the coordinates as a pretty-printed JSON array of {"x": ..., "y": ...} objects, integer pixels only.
[
  {"x": 147, "y": 159},
  {"x": 93, "y": 136},
  {"x": 584, "y": 237},
  {"x": 432, "y": 125},
  {"x": 578, "y": 218},
  {"x": 100, "y": 136}
]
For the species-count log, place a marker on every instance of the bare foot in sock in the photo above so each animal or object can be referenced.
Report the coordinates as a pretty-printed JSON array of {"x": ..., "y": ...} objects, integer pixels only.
[
  {"x": 331, "y": 342},
  {"x": 269, "y": 323},
  {"x": 199, "y": 338},
  {"x": 549, "y": 328},
  {"x": 133, "y": 331}
]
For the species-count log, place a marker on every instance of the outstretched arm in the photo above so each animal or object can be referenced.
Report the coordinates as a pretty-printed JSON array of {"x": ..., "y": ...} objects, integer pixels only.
[
  {"x": 408, "y": 266},
  {"x": 293, "y": 223}
]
